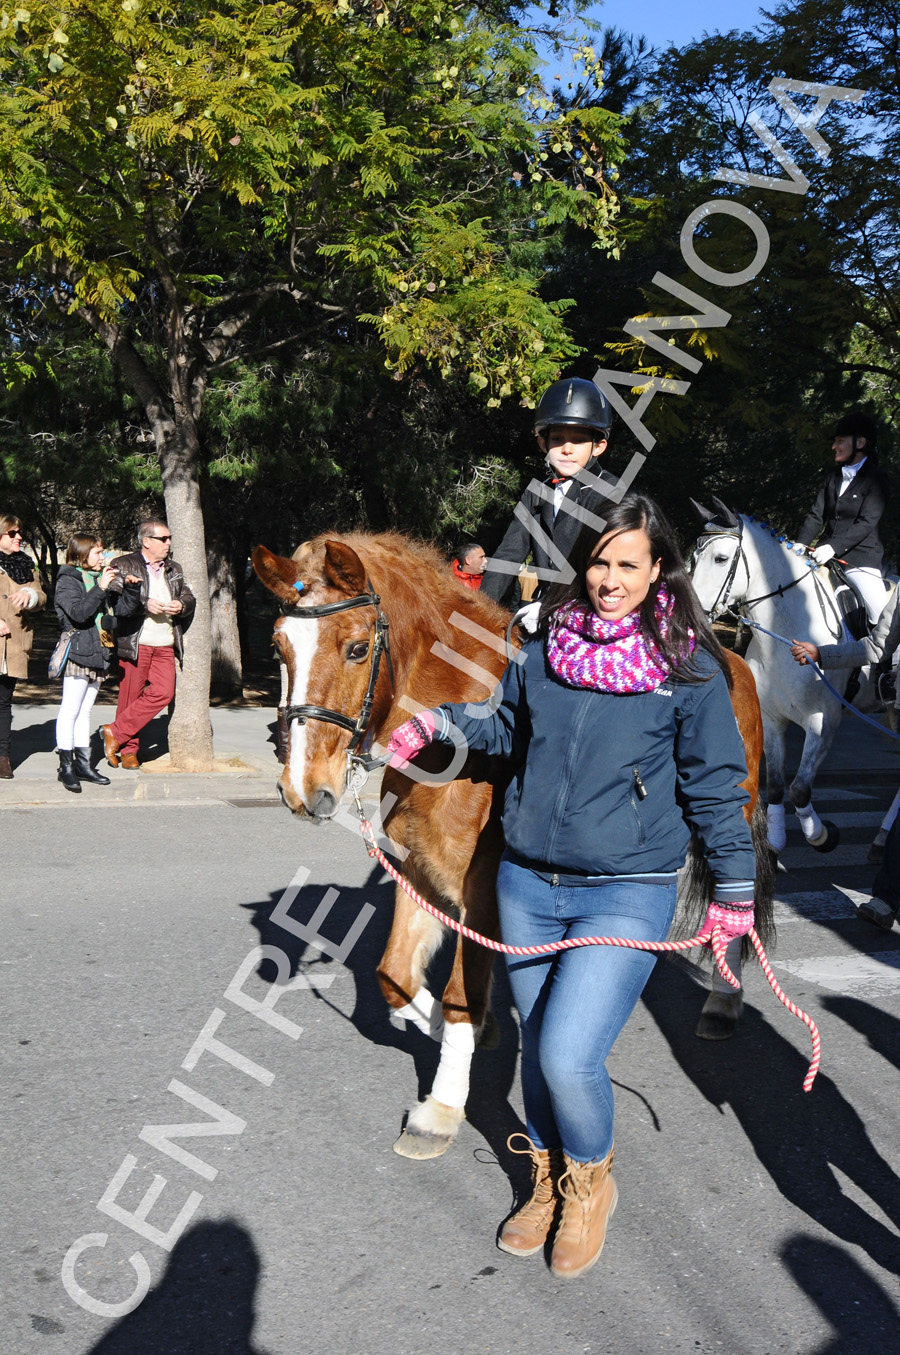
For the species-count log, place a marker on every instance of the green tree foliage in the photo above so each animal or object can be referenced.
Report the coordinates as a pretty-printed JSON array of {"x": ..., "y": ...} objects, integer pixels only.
[
  {"x": 815, "y": 331},
  {"x": 198, "y": 186}
]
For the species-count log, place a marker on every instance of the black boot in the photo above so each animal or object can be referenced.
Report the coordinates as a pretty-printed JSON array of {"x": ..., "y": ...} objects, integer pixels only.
[
  {"x": 66, "y": 773},
  {"x": 84, "y": 771},
  {"x": 283, "y": 734}
]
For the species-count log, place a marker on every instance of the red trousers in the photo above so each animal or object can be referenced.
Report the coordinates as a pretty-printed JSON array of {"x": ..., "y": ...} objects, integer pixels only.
[{"x": 145, "y": 689}]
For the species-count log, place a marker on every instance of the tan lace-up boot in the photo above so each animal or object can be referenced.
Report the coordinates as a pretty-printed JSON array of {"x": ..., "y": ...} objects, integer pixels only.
[
  {"x": 589, "y": 1197},
  {"x": 527, "y": 1231}
]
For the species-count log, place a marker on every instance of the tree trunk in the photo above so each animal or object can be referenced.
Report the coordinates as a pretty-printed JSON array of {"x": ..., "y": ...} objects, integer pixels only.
[
  {"x": 227, "y": 672},
  {"x": 190, "y": 731}
]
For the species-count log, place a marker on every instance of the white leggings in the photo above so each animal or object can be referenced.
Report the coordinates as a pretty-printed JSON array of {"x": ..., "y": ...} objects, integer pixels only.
[
  {"x": 871, "y": 584},
  {"x": 73, "y": 723}
]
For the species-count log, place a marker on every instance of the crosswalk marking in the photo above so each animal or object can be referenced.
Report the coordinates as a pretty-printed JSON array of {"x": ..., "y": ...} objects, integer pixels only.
[
  {"x": 815, "y": 906},
  {"x": 877, "y": 972},
  {"x": 870, "y": 818}
]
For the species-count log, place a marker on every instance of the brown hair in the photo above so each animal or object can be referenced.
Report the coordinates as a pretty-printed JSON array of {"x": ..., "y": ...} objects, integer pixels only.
[
  {"x": 79, "y": 548},
  {"x": 8, "y": 520}
]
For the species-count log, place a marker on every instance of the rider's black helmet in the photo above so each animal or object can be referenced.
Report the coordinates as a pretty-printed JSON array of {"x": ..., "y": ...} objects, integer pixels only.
[
  {"x": 856, "y": 425},
  {"x": 573, "y": 403}
]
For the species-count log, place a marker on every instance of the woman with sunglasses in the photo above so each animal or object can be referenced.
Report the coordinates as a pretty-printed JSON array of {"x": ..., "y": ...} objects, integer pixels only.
[{"x": 20, "y": 594}]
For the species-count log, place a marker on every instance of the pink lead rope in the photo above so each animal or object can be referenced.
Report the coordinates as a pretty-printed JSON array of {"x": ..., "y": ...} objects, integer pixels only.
[{"x": 714, "y": 939}]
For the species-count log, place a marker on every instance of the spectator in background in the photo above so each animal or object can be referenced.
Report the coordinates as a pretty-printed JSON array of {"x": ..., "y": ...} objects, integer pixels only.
[
  {"x": 20, "y": 594},
  {"x": 846, "y": 514},
  {"x": 153, "y": 606},
  {"x": 468, "y": 565},
  {"x": 80, "y": 601}
]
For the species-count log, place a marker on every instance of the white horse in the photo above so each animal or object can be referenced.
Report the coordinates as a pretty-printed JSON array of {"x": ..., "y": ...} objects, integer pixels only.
[{"x": 746, "y": 566}]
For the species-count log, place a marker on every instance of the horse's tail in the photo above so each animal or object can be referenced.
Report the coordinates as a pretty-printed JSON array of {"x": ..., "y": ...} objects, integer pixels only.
[{"x": 696, "y": 885}]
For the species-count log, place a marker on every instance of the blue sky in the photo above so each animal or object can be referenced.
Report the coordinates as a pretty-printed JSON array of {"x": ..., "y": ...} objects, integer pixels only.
[{"x": 678, "y": 21}]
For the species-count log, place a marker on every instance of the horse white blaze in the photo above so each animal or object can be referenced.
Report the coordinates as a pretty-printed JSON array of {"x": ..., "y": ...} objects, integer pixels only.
[{"x": 303, "y": 637}]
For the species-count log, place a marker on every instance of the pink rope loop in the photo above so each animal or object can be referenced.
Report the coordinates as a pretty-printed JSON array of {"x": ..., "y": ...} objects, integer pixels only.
[{"x": 714, "y": 939}]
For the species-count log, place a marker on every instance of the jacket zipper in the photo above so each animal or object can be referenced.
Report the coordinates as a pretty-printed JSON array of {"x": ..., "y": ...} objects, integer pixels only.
[{"x": 638, "y": 783}]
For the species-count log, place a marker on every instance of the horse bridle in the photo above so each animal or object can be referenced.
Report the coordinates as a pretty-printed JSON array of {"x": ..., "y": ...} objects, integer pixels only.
[
  {"x": 380, "y": 647},
  {"x": 721, "y": 605}
]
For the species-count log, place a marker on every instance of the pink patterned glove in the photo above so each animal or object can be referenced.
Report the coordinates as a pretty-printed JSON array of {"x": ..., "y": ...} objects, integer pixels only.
[
  {"x": 733, "y": 919},
  {"x": 410, "y": 738}
]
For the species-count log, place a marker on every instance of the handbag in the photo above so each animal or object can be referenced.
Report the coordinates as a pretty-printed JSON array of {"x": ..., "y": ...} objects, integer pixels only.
[{"x": 60, "y": 655}]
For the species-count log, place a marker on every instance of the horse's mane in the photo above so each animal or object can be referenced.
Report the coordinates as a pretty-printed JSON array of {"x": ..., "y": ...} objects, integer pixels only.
[{"x": 420, "y": 594}]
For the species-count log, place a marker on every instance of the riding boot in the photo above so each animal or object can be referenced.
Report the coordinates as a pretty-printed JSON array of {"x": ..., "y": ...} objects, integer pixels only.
[
  {"x": 589, "y": 1198},
  {"x": 66, "y": 773},
  {"x": 283, "y": 733},
  {"x": 84, "y": 771},
  {"x": 528, "y": 1230}
]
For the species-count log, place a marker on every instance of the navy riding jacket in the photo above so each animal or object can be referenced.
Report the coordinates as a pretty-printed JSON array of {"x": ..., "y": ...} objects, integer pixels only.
[{"x": 607, "y": 784}]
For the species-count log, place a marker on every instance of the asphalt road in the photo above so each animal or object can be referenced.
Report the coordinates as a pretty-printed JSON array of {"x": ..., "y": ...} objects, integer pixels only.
[{"x": 752, "y": 1218}]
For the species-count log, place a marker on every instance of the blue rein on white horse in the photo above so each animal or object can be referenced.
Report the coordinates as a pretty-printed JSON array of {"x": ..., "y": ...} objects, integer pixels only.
[{"x": 748, "y": 568}]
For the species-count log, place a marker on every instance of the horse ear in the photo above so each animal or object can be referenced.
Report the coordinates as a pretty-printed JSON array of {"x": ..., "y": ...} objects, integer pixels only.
[
  {"x": 278, "y": 574},
  {"x": 302, "y": 551},
  {"x": 704, "y": 514},
  {"x": 725, "y": 514},
  {"x": 343, "y": 568}
]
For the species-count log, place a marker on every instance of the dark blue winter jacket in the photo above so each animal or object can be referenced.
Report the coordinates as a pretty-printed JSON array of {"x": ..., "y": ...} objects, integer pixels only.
[{"x": 608, "y": 784}]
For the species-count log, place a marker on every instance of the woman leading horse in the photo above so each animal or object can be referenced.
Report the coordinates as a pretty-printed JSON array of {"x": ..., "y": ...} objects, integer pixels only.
[{"x": 622, "y": 739}]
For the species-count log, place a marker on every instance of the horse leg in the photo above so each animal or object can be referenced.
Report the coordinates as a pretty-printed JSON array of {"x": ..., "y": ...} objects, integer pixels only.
[
  {"x": 415, "y": 936},
  {"x": 820, "y": 731},
  {"x": 773, "y": 736},
  {"x": 722, "y": 1009},
  {"x": 434, "y": 1123}
]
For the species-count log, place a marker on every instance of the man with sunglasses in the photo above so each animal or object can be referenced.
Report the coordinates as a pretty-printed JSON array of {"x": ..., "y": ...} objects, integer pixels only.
[{"x": 153, "y": 606}]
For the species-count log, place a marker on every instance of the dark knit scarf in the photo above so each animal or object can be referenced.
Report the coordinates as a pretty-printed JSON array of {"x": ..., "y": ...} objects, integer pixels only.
[{"x": 17, "y": 565}]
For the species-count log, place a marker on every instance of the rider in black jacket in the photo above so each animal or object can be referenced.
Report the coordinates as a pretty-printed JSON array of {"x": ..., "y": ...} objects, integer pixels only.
[
  {"x": 848, "y": 509},
  {"x": 571, "y": 424}
]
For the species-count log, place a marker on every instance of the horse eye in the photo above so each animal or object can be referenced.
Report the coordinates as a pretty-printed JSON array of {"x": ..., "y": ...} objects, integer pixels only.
[
  {"x": 357, "y": 651},
  {"x": 721, "y": 559}
]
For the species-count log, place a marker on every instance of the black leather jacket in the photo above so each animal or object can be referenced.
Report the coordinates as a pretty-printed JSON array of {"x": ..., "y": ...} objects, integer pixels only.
[{"x": 130, "y": 603}]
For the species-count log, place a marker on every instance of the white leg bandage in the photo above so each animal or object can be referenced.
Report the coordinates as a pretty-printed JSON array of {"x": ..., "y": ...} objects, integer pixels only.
[
  {"x": 425, "y": 1012},
  {"x": 777, "y": 833},
  {"x": 733, "y": 961},
  {"x": 810, "y": 823},
  {"x": 451, "y": 1084}
]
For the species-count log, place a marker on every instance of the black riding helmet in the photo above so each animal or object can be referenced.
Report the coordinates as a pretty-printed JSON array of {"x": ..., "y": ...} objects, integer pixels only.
[
  {"x": 855, "y": 425},
  {"x": 573, "y": 403}
]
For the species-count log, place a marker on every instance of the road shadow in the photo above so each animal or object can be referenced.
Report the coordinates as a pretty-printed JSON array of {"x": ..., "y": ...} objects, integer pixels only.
[
  {"x": 802, "y": 1139},
  {"x": 30, "y": 739},
  {"x": 488, "y": 1109},
  {"x": 204, "y": 1303},
  {"x": 881, "y": 1029},
  {"x": 865, "y": 1320}
]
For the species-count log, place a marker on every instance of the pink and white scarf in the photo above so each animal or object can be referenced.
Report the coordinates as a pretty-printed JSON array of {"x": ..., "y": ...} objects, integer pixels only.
[{"x": 609, "y": 656}]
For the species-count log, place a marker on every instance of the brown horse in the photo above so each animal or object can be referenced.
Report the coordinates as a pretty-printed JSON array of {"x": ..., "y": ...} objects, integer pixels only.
[{"x": 446, "y": 643}]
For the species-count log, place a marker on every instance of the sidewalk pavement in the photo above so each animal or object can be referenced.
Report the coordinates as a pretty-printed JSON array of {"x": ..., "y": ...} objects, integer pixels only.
[
  {"x": 243, "y": 739},
  {"x": 247, "y": 768}
]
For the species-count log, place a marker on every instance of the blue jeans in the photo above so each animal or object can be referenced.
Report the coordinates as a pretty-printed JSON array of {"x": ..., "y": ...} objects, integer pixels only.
[{"x": 573, "y": 1004}]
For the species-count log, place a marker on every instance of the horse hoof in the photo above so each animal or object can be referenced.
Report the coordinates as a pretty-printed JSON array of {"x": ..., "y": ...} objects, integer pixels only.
[
  {"x": 489, "y": 1035},
  {"x": 719, "y": 1017},
  {"x": 830, "y": 837},
  {"x": 430, "y": 1129},
  {"x": 422, "y": 1146}
]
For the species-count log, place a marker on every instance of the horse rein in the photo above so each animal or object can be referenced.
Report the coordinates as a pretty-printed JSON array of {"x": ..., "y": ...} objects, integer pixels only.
[{"x": 380, "y": 647}]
